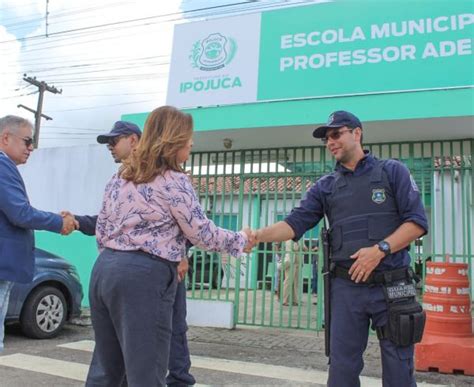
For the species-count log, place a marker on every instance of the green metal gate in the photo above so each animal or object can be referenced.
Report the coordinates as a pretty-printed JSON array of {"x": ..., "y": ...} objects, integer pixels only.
[{"x": 260, "y": 186}]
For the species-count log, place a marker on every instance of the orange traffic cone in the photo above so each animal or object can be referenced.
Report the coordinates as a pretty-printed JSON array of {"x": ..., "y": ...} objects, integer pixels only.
[{"x": 448, "y": 343}]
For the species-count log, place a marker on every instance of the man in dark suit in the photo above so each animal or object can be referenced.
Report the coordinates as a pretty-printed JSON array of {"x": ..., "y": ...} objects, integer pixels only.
[{"x": 18, "y": 218}]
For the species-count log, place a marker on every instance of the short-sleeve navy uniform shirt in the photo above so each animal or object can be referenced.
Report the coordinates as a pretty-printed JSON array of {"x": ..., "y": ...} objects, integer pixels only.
[{"x": 407, "y": 196}]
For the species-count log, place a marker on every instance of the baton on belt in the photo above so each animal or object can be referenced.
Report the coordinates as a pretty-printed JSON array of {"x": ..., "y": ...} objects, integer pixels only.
[{"x": 327, "y": 290}]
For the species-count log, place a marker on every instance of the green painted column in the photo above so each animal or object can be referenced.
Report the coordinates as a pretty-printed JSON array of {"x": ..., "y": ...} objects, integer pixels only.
[
  {"x": 255, "y": 223},
  {"x": 76, "y": 248}
]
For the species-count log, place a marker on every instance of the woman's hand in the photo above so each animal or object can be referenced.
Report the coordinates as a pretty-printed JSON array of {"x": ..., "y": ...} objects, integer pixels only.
[
  {"x": 252, "y": 240},
  {"x": 183, "y": 268}
]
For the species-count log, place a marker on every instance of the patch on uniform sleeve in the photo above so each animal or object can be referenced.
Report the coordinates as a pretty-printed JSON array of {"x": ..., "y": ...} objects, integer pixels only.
[
  {"x": 413, "y": 184},
  {"x": 378, "y": 195}
]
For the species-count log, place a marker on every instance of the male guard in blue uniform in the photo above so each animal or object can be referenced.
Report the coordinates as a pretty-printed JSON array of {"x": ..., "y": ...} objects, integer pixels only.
[{"x": 374, "y": 212}]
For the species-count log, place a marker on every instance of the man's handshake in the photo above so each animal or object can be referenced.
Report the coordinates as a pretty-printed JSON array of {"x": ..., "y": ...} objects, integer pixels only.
[
  {"x": 69, "y": 223},
  {"x": 277, "y": 232},
  {"x": 252, "y": 239}
]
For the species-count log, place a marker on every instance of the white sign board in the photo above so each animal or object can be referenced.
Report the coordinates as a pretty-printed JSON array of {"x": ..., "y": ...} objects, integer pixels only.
[{"x": 215, "y": 62}]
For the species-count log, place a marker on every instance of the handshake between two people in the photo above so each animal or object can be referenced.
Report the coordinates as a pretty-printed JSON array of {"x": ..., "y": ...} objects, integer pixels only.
[
  {"x": 277, "y": 232},
  {"x": 69, "y": 223},
  {"x": 252, "y": 239}
]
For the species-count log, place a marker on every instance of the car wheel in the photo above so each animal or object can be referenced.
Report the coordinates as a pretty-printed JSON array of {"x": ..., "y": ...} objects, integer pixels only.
[{"x": 44, "y": 313}]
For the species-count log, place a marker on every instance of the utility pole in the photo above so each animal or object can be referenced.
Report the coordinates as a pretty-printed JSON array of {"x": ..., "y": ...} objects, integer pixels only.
[
  {"x": 46, "y": 17},
  {"x": 42, "y": 87}
]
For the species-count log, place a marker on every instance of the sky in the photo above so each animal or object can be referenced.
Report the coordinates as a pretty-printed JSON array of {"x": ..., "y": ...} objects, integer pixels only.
[{"x": 109, "y": 58}]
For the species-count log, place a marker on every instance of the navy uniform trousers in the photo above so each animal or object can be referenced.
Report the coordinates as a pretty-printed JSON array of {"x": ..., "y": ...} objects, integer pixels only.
[
  {"x": 131, "y": 297},
  {"x": 352, "y": 307},
  {"x": 179, "y": 361}
]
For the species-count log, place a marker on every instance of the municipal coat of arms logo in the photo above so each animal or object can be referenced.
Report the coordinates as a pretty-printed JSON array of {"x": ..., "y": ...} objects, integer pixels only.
[
  {"x": 378, "y": 195},
  {"x": 213, "y": 52}
]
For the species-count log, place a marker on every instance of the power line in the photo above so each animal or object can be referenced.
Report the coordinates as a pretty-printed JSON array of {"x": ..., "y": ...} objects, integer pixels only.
[
  {"x": 124, "y": 22},
  {"x": 21, "y": 95},
  {"x": 102, "y": 106},
  {"x": 53, "y": 42},
  {"x": 46, "y": 44},
  {"x": 89, "y": 70},
  {"x": 24, "y": 87},
  {"x": 95, "y": 40},
  {"x": 109, "y": 59},
  {"x": 21, "y": 24},
  {"x": 110, "y": 95},
  {"x": 251, "y": 5},
  {"x": 71, "y": 127},
  {"x": 118, "y": 94},
  {"x": 17, "y": 6},
  {"x": 72, "y": 78},
  {"x": 69, "y": 12},
  {"x": 90, "y": 140},
  {"x": 123, "y": 77},
  {"x": 68, "y": 134},
  {"x": 105, "y": 81}
]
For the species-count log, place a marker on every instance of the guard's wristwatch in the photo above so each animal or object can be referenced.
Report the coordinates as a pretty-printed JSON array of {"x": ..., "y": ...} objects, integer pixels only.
[{"x": 384, "y": 247}]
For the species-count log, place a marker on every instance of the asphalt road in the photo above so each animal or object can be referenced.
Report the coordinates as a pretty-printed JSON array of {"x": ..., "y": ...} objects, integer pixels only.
[
  {"x": 220, "y": 357},
  {"x": 59, "y": 362}
]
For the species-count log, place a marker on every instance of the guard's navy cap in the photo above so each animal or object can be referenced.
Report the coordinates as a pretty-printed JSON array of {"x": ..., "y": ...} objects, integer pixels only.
[
  {"x": 120, "y": 128},
  {"x": 338, "y": 119}
]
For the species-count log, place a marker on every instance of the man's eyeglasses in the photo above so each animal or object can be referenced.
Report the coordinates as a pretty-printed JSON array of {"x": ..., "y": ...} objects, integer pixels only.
[
  {"x": 114, "y": 140},
  {"x": 335, "y": 135},
  {"x": 27, "y": 140}
]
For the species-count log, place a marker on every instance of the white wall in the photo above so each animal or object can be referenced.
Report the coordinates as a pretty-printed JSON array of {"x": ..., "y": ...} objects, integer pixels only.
[
  {"x": 450, "y": 226},
  {"x": 210, "y": 313},
  {"x": 68, "y": 178},
  {"x": 229, "y": 263}
]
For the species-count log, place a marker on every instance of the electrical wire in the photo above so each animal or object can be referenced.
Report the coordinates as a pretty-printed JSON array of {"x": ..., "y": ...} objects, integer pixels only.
[
  {"x": 111, "y": 31},
  {"x": 100, "y": 106},
  {"x": 133, "y": 66},
  {"x": 110, "y": 95},
  {"x": 121, "y": 22},
  {"x": 251, "y": 5},
  {"x": 70, "y": 127},
  {"x": 20, "y": 95}
]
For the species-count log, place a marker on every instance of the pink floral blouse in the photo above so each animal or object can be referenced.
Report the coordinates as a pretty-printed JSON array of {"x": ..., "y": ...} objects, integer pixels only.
[{"x": 158, "y": 217}]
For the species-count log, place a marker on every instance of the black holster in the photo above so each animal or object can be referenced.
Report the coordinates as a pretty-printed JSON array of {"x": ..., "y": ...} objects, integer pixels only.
[{"x": 406, "y": 317}]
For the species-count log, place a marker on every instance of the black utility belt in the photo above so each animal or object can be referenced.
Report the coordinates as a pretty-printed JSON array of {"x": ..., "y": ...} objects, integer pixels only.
[
  {"x": 405, "y": 317},
  {"x": 381, "y": 278}
]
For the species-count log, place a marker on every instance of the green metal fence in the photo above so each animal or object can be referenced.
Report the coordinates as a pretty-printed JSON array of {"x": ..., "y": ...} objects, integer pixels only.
[{"x": 260, "y": 186}]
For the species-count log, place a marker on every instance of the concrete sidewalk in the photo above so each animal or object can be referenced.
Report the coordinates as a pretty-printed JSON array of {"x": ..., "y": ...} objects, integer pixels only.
[{"x": 298, "y": 348}]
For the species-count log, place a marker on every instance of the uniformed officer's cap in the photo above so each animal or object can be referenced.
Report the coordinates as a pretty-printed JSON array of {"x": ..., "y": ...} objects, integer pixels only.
[
  {"x": 120, "y": 128},
  {"x": 338, "y": 120}
]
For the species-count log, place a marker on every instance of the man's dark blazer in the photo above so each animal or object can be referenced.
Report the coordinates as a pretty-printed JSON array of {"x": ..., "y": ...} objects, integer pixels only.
[
  {"x": 18, "y": 219},
  {"x": 87, "y": 223}
]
